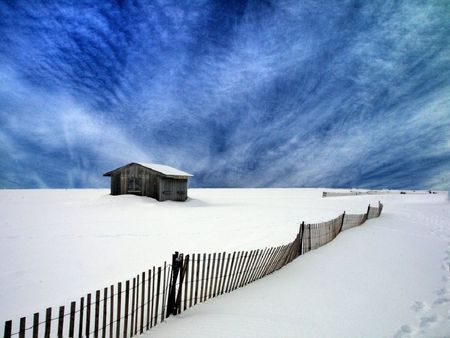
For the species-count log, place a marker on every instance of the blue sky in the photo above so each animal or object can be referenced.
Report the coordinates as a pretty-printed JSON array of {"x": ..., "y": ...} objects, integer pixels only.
[{"x": 241, "y": 94}]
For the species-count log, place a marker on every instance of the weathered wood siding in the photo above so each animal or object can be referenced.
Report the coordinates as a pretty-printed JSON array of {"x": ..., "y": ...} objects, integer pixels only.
[
  {"x": 172, "y": 189},
  {"x": 115, "y": 184},
  {"x": 151, "y": 184}
]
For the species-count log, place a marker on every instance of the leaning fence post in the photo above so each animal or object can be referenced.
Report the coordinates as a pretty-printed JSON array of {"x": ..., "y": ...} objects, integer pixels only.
[
  {"x": 177, "y": 261},
  {"x": 368, "y": 211}
]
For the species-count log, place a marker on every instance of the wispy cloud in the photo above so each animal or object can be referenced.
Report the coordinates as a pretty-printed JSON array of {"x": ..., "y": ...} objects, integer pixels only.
[{"x": 249, "y": 94}]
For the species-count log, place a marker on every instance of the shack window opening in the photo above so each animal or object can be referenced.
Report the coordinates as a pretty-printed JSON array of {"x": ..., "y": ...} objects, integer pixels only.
[{"x": 134, "y": 185}]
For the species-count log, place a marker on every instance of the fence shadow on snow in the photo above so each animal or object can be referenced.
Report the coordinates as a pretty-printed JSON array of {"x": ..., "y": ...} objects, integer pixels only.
[{"x": 144, "y": 301}]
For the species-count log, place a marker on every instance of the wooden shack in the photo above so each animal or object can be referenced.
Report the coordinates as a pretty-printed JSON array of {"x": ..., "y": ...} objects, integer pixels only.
[{"x": 147, "y": 179}]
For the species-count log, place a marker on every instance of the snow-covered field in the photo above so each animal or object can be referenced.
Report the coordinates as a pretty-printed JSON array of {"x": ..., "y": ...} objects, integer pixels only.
[{"x": 389, "y": 277}]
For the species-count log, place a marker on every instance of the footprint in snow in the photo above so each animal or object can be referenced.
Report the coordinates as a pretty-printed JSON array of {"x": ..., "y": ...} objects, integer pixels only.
[
  {"x": 404, "y": 332},
  {"x": 419, "y": 306},
  {"x": 426, "y": 321}
]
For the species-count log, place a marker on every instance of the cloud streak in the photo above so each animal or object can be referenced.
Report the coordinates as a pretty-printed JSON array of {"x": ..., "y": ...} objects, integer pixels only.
[{"x": 241, "y": 94}]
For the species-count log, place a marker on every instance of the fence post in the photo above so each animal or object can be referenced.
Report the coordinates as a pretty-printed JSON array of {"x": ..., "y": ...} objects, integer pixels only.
[
  {"x": 301, "y": 232},
  {"x": 177, "y": 309},
  {"x": 177, "y": 261},
  {"x": 342, "y": 223},
  {"x": 368, "y": 211}
]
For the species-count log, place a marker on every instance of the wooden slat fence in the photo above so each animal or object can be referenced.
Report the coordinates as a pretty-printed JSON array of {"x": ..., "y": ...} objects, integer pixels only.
[{"x": 142, "y": 302}]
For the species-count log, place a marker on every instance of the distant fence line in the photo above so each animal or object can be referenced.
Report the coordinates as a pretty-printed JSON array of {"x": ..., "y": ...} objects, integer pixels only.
[
  {"x": 373, "y": 192},
  {"x": 148, "y": 298}
]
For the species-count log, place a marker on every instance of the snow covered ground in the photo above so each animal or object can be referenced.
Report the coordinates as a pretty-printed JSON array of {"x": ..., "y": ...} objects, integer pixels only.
[{"x": 387, "y": 278}]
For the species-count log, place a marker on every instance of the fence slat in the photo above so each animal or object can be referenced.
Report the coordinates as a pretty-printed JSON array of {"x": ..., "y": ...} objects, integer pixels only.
[
  {"x": 36, "y": 325},
  {"x": 211, "y": 285},
  {"x": 48, "y": 322},
  {"x": 186, "y": 283},
  {"x": 111, "y": 312},
  {"x": 133, "y": 295},
  {"x": 205, "y": 295},
  {"x": 166, "y": 284},
  {"x": 8, "y": 329},
  {"x": 197, "y": 278},
  {"x": 127, "y": 301},
  {"x": 61, "y": 322},
  {"x": 203, "y": 277},
  {"x": 149, "y": 288},
  {"x": 191, "y": 294},
  {"x": 153, "y": 297},
  {"x": 219, "y": 256},
  {"x": 136, "y": 311},
  {"x": 119, "y": 307},
  {"x": 105, "y": 311},
  {"x": 222, "y": 265},
  {"x": 164, "y": 294},
  {"x": 142, "y": 302},
  {"x": 22, "y": 325},
  {"x": 158, "y": 285},
  {"x": 97, "y": 313},
  {"x": 72, "y": 319},
  {"x": 80, "y": 320},
  {"x": 88, "y": 314}
]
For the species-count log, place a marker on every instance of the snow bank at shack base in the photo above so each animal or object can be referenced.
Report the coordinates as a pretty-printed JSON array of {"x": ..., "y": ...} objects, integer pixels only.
[{"x": 387, "y": 278}]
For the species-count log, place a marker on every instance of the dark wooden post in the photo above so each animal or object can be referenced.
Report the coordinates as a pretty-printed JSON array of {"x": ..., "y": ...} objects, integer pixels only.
[
  {"x": 342, "y": 223},
  {"x": 367, "y": 214},
  {"x": 177, "y": 262},
  {"x": 301, "y": 231},
  {"x": 180, "y": 286}
]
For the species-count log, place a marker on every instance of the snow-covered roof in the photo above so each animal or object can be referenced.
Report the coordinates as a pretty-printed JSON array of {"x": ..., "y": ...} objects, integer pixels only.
[
  {"x": 165, "y": 169},
  {"x": 161, "y": 168}
]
